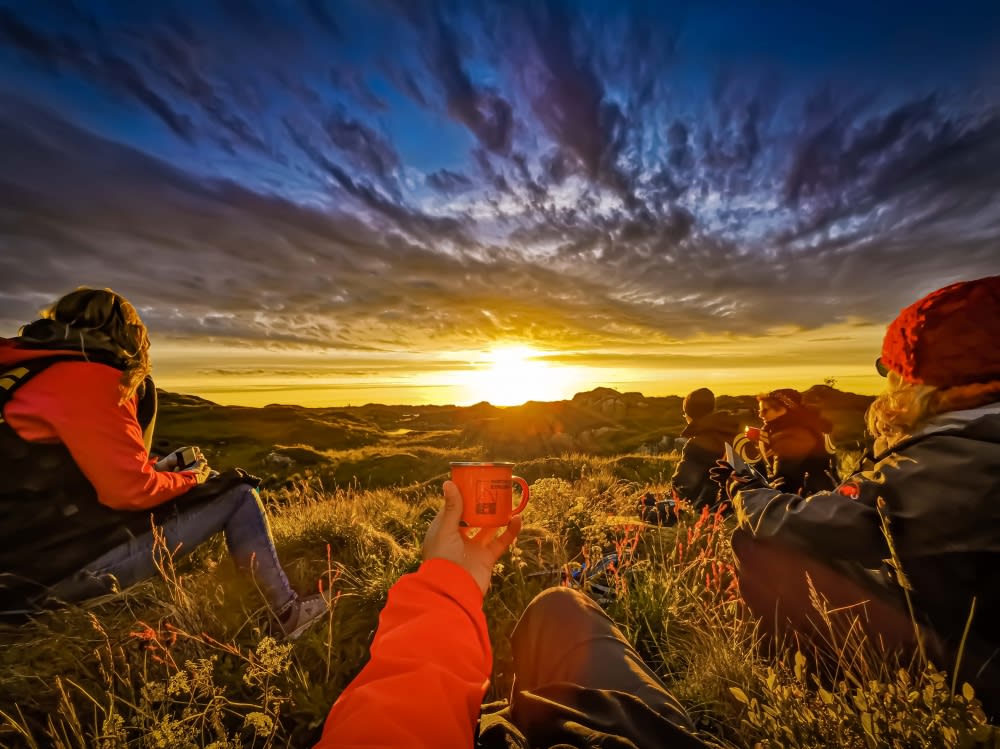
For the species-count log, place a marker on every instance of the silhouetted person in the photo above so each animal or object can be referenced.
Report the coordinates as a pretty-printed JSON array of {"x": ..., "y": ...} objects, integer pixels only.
[
  {"x": 707, "y": 433},
  {"x": 793, "y": 443}
]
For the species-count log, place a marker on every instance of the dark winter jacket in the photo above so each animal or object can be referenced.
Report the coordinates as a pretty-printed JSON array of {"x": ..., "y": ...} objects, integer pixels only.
[
  {"x": 941, "y": 488},
  {"x": 794, "y": 449},
  {"x": 707, "y": 437}
]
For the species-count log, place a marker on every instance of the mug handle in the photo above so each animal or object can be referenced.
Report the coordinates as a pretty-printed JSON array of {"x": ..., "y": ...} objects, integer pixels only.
[{"x": 524, "y": 495}]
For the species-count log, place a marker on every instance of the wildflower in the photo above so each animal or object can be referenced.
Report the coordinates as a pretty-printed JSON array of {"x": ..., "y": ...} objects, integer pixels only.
[{"x": 260, "y": 722}]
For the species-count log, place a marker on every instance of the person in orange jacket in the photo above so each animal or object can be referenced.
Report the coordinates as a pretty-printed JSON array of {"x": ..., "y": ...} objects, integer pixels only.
[
  {"x": 577, "y": 680},
  {"x": 78, "y": 487}
]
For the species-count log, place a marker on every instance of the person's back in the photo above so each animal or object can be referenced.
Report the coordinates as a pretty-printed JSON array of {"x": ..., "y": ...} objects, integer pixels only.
[
  {"x": 933, "y": 489},
  {"x": 707, "y": 433}
]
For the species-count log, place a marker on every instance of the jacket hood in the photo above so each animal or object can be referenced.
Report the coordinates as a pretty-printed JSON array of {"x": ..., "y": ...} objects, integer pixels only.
[
  {"x": 981, "y": 423},
  {"x": 43, "y": 338},
  {"x": 13, "y": 353},
  {"x": 722, "y": 423},
  {"x": 984, "y": 421}
]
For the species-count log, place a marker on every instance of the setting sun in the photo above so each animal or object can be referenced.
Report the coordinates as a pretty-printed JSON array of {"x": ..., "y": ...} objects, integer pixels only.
[{"x": 511, "y": 375}]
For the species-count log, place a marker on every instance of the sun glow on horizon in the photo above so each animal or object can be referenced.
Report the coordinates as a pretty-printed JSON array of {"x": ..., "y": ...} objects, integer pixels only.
[{"x": 512, "y": 375}]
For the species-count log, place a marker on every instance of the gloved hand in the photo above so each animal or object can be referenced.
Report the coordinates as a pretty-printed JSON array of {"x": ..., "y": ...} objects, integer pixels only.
[
  {"x": 249, "y": 479},
  {"x": 200, "y": 471},
  {"x": 731, "y": 482},
  {"x": 720, "y": 472}
]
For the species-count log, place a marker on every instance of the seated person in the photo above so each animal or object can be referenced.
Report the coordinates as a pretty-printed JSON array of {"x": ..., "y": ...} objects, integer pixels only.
[
  {"x": 792, "y": 443},
  {"x": 577, "y": 680},
  {"x": 936, "y": 481},
  {"x": 707, "y": 433},
  {"x": 78, "y": 488}
]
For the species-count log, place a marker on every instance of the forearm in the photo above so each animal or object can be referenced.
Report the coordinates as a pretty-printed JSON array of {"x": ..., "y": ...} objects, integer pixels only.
[
  {"x": 827, "y": 524},
  {"x": 429, "y": 668}
]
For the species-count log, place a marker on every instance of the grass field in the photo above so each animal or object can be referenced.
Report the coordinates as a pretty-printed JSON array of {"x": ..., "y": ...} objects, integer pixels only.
[{"x": 186, "y": 660}]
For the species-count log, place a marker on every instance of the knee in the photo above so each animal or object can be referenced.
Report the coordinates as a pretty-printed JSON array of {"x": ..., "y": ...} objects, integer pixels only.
[
  {"x": 549, "y": 615},
  {"x": 742, "y": 543},
  {"x": 753, "y": 554},
  {"x": 557, "y": 605},
  {"x": 242, "y": 494}
]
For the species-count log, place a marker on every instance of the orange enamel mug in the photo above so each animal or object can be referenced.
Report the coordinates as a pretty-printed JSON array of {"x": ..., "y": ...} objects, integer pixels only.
[{"x": 487, "y": 493}]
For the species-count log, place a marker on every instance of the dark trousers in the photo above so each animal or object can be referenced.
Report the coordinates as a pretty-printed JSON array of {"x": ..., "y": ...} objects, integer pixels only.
[
  {"x": 774, "y": 583},
  {"x": 579, "y": 683}
]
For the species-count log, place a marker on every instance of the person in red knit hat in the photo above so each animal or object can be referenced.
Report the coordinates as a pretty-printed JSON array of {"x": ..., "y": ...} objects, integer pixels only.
[{"x": 933, "y": 488}]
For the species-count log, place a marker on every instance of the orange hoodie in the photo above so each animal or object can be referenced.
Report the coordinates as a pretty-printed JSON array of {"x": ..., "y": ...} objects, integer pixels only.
[
  {"x": 76, "y": 403},
  {"x": 429, "y": 668}
]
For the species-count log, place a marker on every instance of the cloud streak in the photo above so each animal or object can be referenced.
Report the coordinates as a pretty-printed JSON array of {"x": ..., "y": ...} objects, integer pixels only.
[{"x": 407, "y": 177}]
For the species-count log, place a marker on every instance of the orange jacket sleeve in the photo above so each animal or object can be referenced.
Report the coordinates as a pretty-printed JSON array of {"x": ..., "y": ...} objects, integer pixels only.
[
  {"x": 77, "y": 404},
  {"x": 429, "y": 668}
]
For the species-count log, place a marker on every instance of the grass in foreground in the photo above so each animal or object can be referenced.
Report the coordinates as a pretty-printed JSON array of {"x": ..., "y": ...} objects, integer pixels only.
[{"x": 187, "y": 660}]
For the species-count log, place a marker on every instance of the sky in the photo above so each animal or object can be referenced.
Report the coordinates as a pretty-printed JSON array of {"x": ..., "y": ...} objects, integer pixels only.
[{"x": 333, "y": 202}]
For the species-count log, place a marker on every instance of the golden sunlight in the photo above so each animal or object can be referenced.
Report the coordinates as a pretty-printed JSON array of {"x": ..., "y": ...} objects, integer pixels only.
[{"x": 512, "y": 375}]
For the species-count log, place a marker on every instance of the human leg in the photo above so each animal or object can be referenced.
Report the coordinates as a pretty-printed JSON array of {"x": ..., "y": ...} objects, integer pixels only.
[
  {"x": 577, "y": 676},
  {"x": 237, "y": 512},
  {"x": 777, "y": 584}
]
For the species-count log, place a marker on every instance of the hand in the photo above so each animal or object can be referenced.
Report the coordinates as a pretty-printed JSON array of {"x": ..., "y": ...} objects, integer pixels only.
[
  {"x": 201, "y": 471},
  {"x": 445, "y": 539},
  {"x": 731, "y": 482},
  {"x": 720, "y": 472},
  {"x": 171, "y": 461}
]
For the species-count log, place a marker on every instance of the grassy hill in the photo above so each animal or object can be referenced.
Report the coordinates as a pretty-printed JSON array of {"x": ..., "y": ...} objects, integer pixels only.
[
  {"x": 186, "y": 660},
  {"x": 375, "y": 446}
]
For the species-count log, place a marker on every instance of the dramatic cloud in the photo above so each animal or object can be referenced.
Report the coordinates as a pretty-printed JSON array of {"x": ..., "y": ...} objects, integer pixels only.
[{"x": 401, "y": 177}]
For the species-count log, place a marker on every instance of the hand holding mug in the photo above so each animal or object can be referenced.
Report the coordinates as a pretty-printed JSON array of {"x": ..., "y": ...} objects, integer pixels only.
[
  {"x": 446, "y": 539},
  {"x": 487, "y": 493}
]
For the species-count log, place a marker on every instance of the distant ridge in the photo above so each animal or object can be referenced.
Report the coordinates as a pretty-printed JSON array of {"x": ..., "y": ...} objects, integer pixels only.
[
  {"x": 382, "y": 445},
  {"x": 822, "y": 396}
]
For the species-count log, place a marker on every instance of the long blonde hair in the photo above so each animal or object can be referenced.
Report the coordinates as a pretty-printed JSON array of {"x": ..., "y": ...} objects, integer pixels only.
[
  {"x": 900, "y": 410},
  {"x": 103, "y": 316}
]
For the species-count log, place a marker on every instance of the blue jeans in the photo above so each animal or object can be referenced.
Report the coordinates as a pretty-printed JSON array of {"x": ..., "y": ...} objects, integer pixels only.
[{"x": 238, "y": 513}]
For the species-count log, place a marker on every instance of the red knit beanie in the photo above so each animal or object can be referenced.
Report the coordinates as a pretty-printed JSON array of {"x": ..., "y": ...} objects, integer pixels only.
[{"x": 948, "y": 338}]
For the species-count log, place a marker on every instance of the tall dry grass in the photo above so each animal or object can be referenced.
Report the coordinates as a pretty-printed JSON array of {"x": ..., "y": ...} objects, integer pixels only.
[{"x": 188, "y": 660}]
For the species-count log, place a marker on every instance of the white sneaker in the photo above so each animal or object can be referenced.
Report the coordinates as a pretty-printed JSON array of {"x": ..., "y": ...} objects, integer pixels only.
[{"x": 305, "y": 612}]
